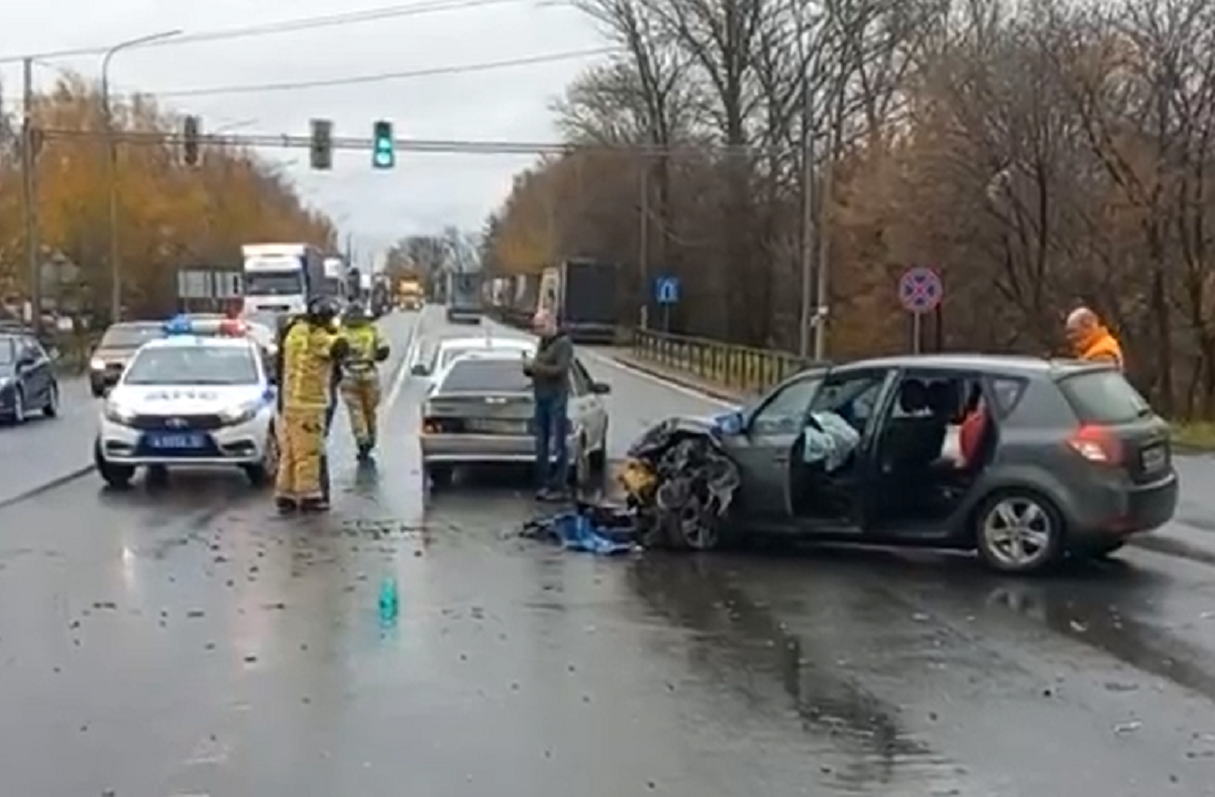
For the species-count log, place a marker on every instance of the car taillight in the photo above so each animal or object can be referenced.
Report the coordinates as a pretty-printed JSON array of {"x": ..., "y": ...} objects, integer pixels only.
[
  {"x": 431, "y": 426},
  {"x": 1097, "y": 444}
]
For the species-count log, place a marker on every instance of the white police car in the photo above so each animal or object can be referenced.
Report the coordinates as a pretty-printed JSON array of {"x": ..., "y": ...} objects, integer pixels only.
[{"x": 190, "y": 399}]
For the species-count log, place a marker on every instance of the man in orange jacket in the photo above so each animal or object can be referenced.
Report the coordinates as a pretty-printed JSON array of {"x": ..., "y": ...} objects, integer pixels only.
[{"x": 1091, "y": 340}]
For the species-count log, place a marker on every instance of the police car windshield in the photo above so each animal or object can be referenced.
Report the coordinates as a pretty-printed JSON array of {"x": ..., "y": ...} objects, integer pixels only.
[{"x": 192, "y": 365}]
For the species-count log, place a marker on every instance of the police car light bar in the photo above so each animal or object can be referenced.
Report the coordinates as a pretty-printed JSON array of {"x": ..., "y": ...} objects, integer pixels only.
[{"x": 185, "y": 325}]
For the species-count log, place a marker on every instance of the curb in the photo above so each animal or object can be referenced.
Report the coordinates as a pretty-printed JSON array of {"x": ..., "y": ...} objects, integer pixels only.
[
  {"x": 58, "y": 481},
  {"x": 720, "y": 394}
]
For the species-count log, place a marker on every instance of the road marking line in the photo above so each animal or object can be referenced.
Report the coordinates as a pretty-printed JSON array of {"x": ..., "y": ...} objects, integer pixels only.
[{"x": 398, "y": 382}]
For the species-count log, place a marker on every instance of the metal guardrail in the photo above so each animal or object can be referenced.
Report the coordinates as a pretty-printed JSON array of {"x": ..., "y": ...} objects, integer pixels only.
[{"x": 736, "y": 368}]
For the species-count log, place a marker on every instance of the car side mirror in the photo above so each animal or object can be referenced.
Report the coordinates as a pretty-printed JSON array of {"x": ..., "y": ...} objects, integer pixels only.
[
  {"x": 420, "y": 370},
  {"x": 26, "y": 360},
  {"x": 600, "y": 388}
]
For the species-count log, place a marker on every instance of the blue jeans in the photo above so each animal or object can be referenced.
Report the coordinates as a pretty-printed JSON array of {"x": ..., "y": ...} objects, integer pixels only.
[{"x": 550, "y": 430}]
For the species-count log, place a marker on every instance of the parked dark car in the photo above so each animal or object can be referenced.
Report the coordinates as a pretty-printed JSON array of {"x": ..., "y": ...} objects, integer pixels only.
[
  {"x": 27, "y": 379},
  {"x": 115, "y": 348},
  {"x": 1071, "y": 460}
]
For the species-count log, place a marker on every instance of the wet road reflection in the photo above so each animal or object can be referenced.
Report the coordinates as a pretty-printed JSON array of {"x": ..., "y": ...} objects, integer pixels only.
[{"x": 187, "y": 640}]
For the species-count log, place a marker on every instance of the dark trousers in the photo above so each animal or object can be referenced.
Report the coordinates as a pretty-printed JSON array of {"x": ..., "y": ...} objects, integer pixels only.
[{"x": 551, "y": 427}]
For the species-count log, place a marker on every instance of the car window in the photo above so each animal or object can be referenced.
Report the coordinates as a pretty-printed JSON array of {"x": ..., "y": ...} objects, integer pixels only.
[
  {"x": 8, "y": 351},
  {"x": 1104, "y": 397},
  {"x": 193, "y": 365},
  {"x": 1006, "y": 393},
  {"x": 784, "y": 412},
  {"x": 854, "y": 397},
  {"x": 484, "y": 375}
]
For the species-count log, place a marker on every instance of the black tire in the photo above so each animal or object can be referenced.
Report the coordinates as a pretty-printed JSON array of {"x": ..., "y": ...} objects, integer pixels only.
[
  {"x": 51, "y": 409},
  {"x": 116, "y": 476},
  {"x": 265, "y": 472},
  {"x": 439, "y": 476},
  {"x": 19, "y": 415},
  {"x": 1036, "y": 523}
]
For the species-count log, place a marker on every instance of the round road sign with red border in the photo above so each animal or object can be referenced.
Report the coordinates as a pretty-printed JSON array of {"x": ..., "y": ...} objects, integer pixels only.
[{"x": 920, "y": 289}]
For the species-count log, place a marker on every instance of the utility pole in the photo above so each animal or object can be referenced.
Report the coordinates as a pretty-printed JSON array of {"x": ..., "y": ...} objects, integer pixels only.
[
  {"x": 808, "y": 313},
  {"x": 111, "y": 172},
  {"x": 29, "y": 195},
  {"x": 823, "y": 287},
  {"x": 643, "y": 242}
]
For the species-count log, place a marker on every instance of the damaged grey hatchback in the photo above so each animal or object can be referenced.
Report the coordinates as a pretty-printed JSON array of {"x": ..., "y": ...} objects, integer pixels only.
[{"x": 1024, "y": 460}]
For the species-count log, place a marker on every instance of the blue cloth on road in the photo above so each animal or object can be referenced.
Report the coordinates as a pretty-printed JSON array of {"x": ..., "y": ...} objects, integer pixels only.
[
  {"x": 829, "y": 439},
  {"x": 577, "y": 532}
]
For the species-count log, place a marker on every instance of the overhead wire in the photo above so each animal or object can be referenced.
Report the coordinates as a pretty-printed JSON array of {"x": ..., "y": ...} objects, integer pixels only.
[
  {"x": 380, "y": 77},
  {"x": 292, "y": 25}
]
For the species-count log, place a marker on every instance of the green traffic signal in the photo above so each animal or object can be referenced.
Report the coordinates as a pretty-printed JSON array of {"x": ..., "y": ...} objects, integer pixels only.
[{"x": 383, "y": 153}]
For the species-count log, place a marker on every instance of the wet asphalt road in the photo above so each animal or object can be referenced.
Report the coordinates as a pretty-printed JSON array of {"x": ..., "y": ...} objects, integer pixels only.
[{"x": 188, "y": 641}]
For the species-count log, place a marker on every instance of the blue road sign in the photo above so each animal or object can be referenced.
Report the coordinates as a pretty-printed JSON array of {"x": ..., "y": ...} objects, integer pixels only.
[
  {"x": 920, "y": 290},
  {"x": 666, "y": 290}
]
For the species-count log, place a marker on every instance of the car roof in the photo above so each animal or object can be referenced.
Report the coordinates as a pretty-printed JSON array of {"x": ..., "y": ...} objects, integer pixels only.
[
  {"x": 487, "y": 342},
  {"x": 194, "y": 341},
  {"x": 991, "y": 364}
]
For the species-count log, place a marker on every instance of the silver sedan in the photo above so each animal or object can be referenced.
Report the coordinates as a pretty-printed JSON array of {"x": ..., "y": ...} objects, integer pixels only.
[{"x": 481, "y": 411}]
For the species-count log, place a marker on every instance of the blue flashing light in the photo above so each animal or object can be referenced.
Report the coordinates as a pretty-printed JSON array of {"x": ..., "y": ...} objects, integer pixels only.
[{"x": 179, "y": 325}]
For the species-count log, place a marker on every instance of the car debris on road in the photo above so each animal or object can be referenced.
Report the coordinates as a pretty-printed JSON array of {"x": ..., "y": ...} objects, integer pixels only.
[{"x": 680, "y": 484}]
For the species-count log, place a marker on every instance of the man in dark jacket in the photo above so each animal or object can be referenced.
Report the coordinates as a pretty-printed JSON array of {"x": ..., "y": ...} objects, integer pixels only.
[{"x": 550, "y": 374}]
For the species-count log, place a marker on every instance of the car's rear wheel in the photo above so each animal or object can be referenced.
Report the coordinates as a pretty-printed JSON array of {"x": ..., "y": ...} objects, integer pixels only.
[
  {"x": 1019, "y": 531},
  {"x": 116, "y": 476}
]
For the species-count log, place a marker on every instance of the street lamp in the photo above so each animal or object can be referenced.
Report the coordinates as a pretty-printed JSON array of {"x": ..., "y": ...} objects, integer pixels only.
[{"x": 112, "y": 162}]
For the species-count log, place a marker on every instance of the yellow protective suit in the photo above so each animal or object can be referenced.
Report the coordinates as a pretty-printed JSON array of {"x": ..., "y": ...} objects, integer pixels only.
[
  {"x": 360, "y": 384},
  {"x": 307, "y": 355}
]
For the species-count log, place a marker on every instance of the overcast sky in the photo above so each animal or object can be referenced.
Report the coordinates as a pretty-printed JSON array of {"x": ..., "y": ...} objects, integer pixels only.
[{"x": 424, "y": 192}]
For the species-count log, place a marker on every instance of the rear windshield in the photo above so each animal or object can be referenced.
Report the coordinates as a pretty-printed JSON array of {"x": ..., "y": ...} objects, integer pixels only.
[
  {"x": 1104, "y": 397},
  {"x": 486, "y": 376},
  {"x": 130, "y": 336}
]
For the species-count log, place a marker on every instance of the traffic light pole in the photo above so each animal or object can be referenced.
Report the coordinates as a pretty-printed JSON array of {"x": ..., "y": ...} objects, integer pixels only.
[{"x": 29, "y": 195}]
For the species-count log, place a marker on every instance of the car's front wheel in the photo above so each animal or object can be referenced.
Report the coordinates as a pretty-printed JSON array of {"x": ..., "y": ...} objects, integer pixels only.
[
  {"x": 1019, "y": 531},
  {"x": 116, "y": 476},
  {"x": 18, "y": 414},
  {"x": 264, "y": 472}
]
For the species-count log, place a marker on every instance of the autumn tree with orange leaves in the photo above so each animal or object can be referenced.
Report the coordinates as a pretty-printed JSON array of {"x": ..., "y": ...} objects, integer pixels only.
[
  {"x": 1038, "y": 154},
  {"x": 170, "y": 215}
]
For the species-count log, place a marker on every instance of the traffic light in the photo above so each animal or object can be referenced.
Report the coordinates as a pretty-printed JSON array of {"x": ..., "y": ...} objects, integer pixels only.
[
  {"x": 322, "y": 144},
  {"x": 190, "y": 145},
  {"x": 383, "y": 152}
]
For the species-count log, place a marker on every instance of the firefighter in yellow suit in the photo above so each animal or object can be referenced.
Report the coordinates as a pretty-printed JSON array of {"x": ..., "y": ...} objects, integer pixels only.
[
  {"x": 360, "y": 386},
  {"x": 309, "y": 348}
]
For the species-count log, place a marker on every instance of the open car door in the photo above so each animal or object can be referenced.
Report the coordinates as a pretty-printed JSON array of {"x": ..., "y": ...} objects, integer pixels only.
[{"x": 763, "y": 450}]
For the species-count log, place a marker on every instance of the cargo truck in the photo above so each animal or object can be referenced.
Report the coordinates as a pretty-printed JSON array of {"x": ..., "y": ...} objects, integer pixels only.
[
  {"x": 464, "y": 298},
  {"x": 581, "y": 292}
]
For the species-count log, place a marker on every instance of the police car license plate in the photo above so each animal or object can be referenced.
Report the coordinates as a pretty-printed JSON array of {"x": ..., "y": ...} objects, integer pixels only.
[{"x": 176, "y": 441}]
